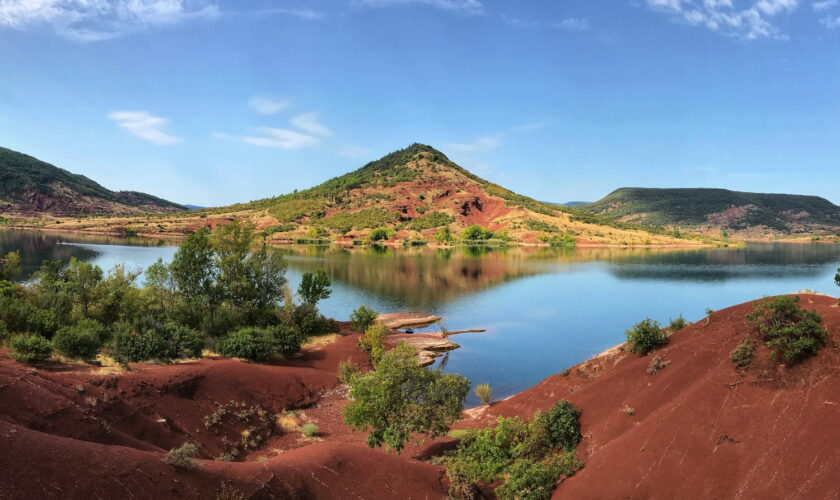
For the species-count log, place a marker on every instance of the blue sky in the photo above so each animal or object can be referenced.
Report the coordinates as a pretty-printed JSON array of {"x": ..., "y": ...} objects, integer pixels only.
[{"x": 214, "y": 101}]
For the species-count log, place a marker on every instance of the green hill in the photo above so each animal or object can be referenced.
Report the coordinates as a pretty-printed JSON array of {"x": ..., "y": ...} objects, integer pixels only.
[
  {"x": 28, "y": 185},
  {"x": 704, "y": 209}
]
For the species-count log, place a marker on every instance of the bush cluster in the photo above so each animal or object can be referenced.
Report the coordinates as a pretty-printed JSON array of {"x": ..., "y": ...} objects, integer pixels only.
[
  {"x": 789, "y": 330},
  {"x": 30, "y": 349},
  {"x": 646, "y": 336},
  {"x": 362, "y": 317}
]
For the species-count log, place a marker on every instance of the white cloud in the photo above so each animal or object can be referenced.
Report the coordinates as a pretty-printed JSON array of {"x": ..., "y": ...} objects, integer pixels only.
[
  {"x": 748, "y": 21},
  {"x": 830, "y": 22},
  {"x": 308, "y": 122},
  {"x": 480, "y": 145},
  {"x": 569, "y": 24},
  {"x": 96, "y": 20},
  {"x": 307, "y": 14},
  {"x": 573, "y": 24},
  {"x": 823, "y": 5},
  {"x": 267, "y": 105},
  {"x": 145, "y": 126},
  {"x": 463, "y": 6},
  {"x": 273, "y": 138}
]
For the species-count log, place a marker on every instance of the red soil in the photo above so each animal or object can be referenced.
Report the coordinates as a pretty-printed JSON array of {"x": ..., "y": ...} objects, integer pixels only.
[{"x": 702, "y": 428}]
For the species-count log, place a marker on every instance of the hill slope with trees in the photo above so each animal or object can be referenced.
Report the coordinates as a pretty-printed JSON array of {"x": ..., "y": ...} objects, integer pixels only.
[
  {"x": 720, "y": 209},
  {"x": 31, "y": 186}
]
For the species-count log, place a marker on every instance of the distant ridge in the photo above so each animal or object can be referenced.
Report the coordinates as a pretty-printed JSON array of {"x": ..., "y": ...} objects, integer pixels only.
[
  {"x": 705, "y": 209},
  {"x": 31, "y": 186}
]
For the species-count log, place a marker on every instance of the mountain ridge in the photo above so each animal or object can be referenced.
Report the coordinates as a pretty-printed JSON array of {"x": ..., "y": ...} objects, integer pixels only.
[{"x": 719, "y": 209}]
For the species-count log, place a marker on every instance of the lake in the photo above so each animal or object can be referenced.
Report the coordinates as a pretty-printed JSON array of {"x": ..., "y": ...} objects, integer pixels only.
[{"x": 544, "y": 309}]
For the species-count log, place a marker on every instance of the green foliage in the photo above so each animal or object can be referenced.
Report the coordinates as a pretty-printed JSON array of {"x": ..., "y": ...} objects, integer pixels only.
[
  {"x": 253, "y": 344},
  {"x": 373, "y": 340},
  {"x": 678, "y": 324},
  {"x": 309, "y": 430},
  {"x": 535, "y": 480},
  {"x": 693, "y": 207},
  {"x": 743, "y": 353},
  {"x": 129, "y": 345},
  {"x": 287, "y": 339},
  {"x": 444, "y": 235},
  {"x": 4, "y": 332},
  {"x": 381, "y": 234},
  {"x": 309, "y": 322},
  {"x": 431, "y": 220},
  {"x": 561, "y": 425},
  {"x": 646, "y": 336},
  {"x": 484, "y": 393},
  {"x": 30, "y": 349},
  {"x": 786, "y": 328},
  {"x": 401, "y": 398},
  {"x": 79, "y": 341},
  {"x": 558, "y": 240},
  {"x": 362, "y": 317},
  {"x": 363, "y": 219},
  {"x": 182, "y": 457},
  {"x": 536, "y": 225},
  {"x": 315, "y": 287},
  {"x": 347, "y": 369},
  {"x": 10, "y": 266},
  {"x": 476, "y": 233}
]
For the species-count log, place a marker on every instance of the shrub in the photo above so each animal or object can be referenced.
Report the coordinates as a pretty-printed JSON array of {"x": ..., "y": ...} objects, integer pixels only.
[
  {"x": 373, "y": 341},
  {"x": 444, "y": 235},
  {"x": 743, "y": 353},
  {"x": 677, "y": 324},
  {"x": 362, "y": 318},
  {"x": 80, "y": 341},
  {"x": 787, "y": 329},
  {"x": 401, "y": 398},
  {"x": 346, "y": 370},
  {"x": 381, "y": 233},
  {"x": 646, "y": 336},
  {"x": 182, "y": 457},
  {"x": 476, "y": 233},
  {"x": 656, "y": 364},
  {"x": 287, "y": 340},
  {"x": 561, "y": 424},
  {"x": 431, "y": 220},
  {"x": 132, "y": 346},
  {"x": 253, "y": 344},
  {"x": 309, "y": 430},
  {"x": 310, "y": 323},
  {"x": 484, "y": 393},
  {"x": 182, "y": 341},
  {"x": 4, "y": 332},
  {"x": 30, "y": 349},
  {"x": 536, "y": 480}
]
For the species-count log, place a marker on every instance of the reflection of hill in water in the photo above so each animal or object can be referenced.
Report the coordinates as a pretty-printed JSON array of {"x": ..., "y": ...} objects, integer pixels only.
[
  {"x": 425, "y": 277},
  {"x": 36, "y": 246}
]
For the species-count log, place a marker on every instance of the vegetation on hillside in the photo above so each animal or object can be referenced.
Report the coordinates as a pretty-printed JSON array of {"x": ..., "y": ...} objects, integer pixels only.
[{"x": 693, "y": 208}]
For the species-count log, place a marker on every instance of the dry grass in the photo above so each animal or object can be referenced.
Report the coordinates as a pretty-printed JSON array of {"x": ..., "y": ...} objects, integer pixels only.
[
  {"x": 320, "y": 341},
  {"x": 288, "y": 421}
]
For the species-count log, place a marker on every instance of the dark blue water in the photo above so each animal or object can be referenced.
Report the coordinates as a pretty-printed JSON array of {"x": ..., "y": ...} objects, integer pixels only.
[{"x": 544, "y": 309}]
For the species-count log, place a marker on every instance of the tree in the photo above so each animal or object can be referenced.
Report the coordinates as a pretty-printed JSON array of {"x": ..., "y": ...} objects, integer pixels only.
[
  {"x": 444, "y": 235},
  {"x": 362, "y": 317},
  {"x": 160, "y": 282},
  {"x": 194, "y": 273},
  {"x": 10, "y": 266},
  {"x": 476, "y": 233},
  {"x": 315, "y": 287},
  {"x": 646, "y": 336},
  {"x": 82, "y": 280},
  {"x": 401, "y": 398}
]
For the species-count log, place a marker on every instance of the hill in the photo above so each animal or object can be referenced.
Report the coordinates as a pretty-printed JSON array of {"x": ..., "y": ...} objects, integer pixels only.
[
  {"x": 413, "y": 193},
  {"x": 720, "y": 209},
  {"x": 700, "y": 428},
  {"x": 31, "y": 186}
]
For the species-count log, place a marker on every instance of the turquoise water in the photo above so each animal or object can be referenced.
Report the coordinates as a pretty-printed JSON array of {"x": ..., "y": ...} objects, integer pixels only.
[{"x": 543, "y": 309}]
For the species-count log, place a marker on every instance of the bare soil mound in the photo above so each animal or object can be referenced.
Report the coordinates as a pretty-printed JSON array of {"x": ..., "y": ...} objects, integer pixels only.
[{"x": 700, "y": 427}]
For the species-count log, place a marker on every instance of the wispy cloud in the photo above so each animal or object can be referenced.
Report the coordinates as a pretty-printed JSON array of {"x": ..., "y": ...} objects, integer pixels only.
[
  {"x": 305, "y": 131},
  {"x": 724, "y": 16},
  {"x": 480, "y": 145},
  {"x": 472, "y": 7},
  {"x": 268, "y": 105},
  {"x": 308, "y": 122},
  {"x": 97, "y": 20},
  {"x": 823, "y": 5},
  {"x": 568, "y": 24},
  {"x": 273, "y": 138},
  {"x": 307, "y": 14},
  {"x": 145, "y": 126}
]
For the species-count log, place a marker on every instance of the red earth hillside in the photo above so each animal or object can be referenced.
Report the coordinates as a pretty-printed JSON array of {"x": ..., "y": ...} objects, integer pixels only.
[{"x": 700, "y": 428}]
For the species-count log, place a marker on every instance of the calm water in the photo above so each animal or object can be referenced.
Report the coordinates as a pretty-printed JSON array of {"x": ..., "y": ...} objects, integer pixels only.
[{"x": 543, "y": 309}]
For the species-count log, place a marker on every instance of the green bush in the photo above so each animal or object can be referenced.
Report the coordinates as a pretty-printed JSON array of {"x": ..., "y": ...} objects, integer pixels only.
[
  {"x": 253, "y": 344},
  {"x": 786, "y": 328},
  {"x": 182, "y": 457},
  {"x": 381, "y": 234},
  {"x": 182, "y": 341},
  {"x": 476, "y": 233},
  {"x": 310, "y": 323},
  {"x": 743, "y": 353},
  {"x": 130, "y": 345},
  {"x": 646, "y": 336},
  {"x": 678, "y": 324},
  {"x": 347, "y": 369},
  {"x": 484, "y": 393},
  {"x": 373, "y": 341},
  {"x": 431, "y": 220},
  {"x": 535, "y": 480},
  {"x": 287, "y": 340},
  {"x": 401, "y": 398},
  {"x": 309, "y": 430},
  {"x": 561, "y": 425},
  {"x": 4, "y": 332},
  {"x": 30, "y": 349},
  {"x": 362, "y": 317},
  {"x": 80, "y": 341}
]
